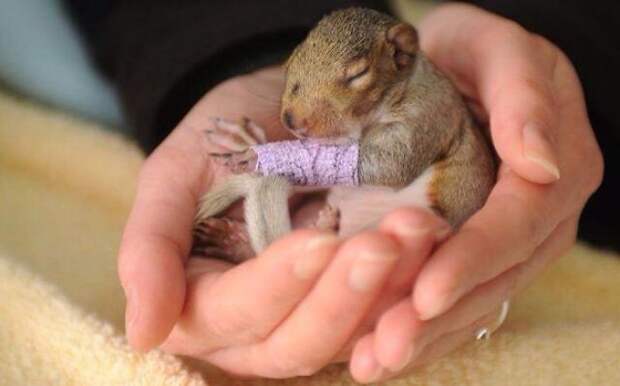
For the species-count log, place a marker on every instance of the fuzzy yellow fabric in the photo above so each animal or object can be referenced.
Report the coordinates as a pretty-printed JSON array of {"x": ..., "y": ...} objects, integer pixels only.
[{"x": 65, "y": 189}]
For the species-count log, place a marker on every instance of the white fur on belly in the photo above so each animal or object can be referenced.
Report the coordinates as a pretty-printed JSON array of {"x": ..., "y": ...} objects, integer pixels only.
[{"x": 363, "y": 207}]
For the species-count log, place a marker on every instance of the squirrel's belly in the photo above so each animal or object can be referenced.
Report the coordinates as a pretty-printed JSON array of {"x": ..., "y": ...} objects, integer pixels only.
[{"x": 363, "y": 207}]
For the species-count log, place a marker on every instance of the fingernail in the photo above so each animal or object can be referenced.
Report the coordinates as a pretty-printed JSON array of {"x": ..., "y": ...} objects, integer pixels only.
[
  {"x": 131, "y": 311},
  {"x": 406, "y": 359},
  {"x": 369, "y": 269},
  {"x": 314, "y": 259},
  {"x": 537, "y": 148}
]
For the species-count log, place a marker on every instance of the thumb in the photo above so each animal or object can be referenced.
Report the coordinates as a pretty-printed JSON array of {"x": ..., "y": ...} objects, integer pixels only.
[
  {"x": 510, "y": 71},
  {"x": 516, "y": 89},
  {"x": 523, "y": 127}
]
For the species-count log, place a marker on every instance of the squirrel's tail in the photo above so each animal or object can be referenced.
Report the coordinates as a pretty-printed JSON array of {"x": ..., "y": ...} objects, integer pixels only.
[{"x": 266, "y": 205}]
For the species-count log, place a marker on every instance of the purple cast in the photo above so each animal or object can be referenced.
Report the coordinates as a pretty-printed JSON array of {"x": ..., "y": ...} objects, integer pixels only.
[{"x": 310, "y": 162}]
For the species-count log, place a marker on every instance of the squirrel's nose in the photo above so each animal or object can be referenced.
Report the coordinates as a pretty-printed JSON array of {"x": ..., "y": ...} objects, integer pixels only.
[{"x": 287, "y": 117}]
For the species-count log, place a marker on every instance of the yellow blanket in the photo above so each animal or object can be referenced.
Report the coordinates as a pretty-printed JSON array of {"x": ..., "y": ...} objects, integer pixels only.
[{"x": 65, "y": 189}]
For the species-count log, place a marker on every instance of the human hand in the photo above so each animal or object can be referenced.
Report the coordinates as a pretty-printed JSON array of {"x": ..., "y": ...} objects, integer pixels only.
[
  {"x": 225, "y": 314},
  {"x": 530, "y": 94},
  {"x": 158, "y": 234}
]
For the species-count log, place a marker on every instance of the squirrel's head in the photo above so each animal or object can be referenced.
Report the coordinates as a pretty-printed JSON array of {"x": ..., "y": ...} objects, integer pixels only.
[{"x": 338, "y": 77}]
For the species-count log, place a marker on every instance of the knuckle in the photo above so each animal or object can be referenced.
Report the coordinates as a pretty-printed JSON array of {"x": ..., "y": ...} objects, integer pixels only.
[
  {"x": 504, "y": 29},
  {"x": 531, "y": 98},
  {"x": 501, "y": 31},
  {"x": 547, "y": 50},
  {"x": 541, "y": 44},
  {"x": 541, "y": 93},
  {"x": 594, "y": 178},
  {"x": 532, "y": 223},
  {"x": 538, "y": 93},
  {"x": 587, "y": 179},
  {"x": 530, "y": 218}
]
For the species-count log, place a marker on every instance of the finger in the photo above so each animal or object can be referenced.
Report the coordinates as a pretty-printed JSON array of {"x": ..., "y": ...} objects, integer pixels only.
[
  {"x": 516, "y": 89},
  {"x": 363, "y": 366},
  {"x": 157, "y": 238},
  {"x": 183, "y": 339},
  {"x": 416, "y": 230},
  {"x": 394, "y": 343},
  {"x": 510, "y": 71},
  {"x": 366, "y": 368},
  {"x": 239, "y": 308},
  {"x": 447, "y": 343},
  {"x": 323, "y": 323},
  {"x": 488, "y": 295},
  {"x": 517, "y": 217},
  {"x": 400, "y": 336}
]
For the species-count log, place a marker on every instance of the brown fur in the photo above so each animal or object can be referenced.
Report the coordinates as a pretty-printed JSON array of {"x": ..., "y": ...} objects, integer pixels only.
[
  {"x": 407, "y": 115},
  {"x": 359, "y": 74}
]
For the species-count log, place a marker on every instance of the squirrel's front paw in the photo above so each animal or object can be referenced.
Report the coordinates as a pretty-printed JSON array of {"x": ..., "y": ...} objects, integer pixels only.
[
  {"x": 237, "y": 163},
  {"x": 230, "y": 137},
  {"x": 230, "y": 144}
]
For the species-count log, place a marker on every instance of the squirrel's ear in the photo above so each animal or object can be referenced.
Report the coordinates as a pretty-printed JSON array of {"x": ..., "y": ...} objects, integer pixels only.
[{"x": 404, "y": 38}]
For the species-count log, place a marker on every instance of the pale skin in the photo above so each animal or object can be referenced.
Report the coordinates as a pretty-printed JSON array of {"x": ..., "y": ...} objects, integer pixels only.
[{"x": 440, "y": 291}]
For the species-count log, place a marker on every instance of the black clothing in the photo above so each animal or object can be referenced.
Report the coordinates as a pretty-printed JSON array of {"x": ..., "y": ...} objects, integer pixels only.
[{"x": 164, "y": 55}]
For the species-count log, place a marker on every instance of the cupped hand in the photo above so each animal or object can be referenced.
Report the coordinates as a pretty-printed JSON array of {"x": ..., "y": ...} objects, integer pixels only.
[
  {"x": 158, "y": 234},
  {"x": 528, "y": 91},
  {"x": 298, "y": 306}
]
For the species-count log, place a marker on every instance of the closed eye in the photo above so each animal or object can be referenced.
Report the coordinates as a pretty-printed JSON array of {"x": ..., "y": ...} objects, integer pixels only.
[{"x": 357, "y": 75}]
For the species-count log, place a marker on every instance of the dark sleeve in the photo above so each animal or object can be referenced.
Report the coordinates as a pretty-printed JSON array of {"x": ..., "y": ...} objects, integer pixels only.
[
  {"x": 164, "y": 55},
  {"x": 587, "y": 31}
]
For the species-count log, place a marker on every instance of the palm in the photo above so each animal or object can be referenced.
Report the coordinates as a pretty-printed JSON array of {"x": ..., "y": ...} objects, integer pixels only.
[{"x": 157, "y": 238}]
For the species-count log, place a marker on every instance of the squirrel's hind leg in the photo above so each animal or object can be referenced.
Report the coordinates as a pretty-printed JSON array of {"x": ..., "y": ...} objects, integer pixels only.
[
  {"x": 328, "y": 219},
  {"x": 222, "y": 238}
]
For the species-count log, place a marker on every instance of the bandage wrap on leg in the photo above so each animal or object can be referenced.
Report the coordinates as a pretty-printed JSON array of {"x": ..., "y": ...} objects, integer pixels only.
[{"x": 309, "y": 162}]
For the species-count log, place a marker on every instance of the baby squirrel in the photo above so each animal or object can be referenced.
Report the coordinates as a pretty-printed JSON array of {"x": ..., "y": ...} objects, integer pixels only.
[{"x": 360, "y": 76}]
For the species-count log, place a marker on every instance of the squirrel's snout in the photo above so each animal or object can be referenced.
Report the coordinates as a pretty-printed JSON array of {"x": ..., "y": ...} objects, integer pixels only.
[
  {"x": 287, "y": 118},
  {"x": 290, "y": 122}
]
